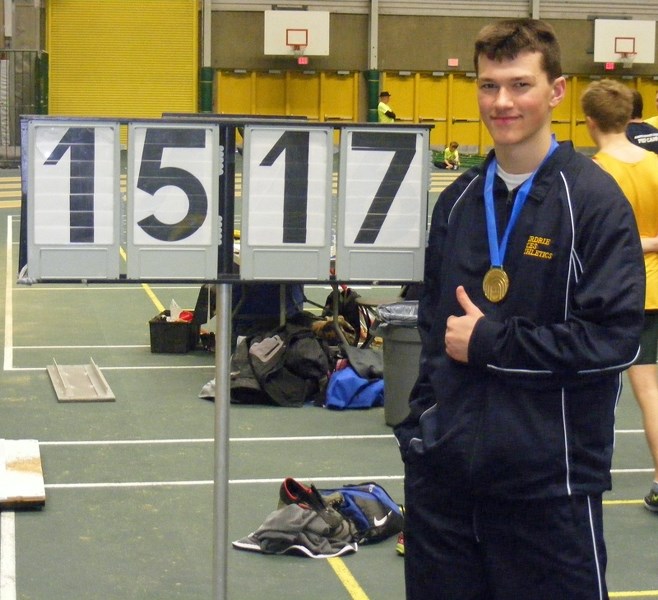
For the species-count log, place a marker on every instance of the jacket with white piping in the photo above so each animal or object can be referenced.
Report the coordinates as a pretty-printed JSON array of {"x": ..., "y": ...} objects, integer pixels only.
[{"x": 532, "y": 413}]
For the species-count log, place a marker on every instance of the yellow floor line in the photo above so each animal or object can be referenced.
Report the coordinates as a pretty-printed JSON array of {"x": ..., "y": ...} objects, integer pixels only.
[
  {"x": 149, "y": 292},
  {"x": 347, "y": 579},
  {"x": 640, "y": 594},
  {"x": 147, "y": 288}
]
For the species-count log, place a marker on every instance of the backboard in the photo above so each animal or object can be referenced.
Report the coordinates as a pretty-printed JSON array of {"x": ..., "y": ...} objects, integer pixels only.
[
  {"x": 624, "y": 41},
  {"x": 295, "y": 32}
]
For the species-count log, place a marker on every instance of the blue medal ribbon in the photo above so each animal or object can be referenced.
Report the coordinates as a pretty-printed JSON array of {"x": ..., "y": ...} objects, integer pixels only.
[{"x": 496, "y": 250}]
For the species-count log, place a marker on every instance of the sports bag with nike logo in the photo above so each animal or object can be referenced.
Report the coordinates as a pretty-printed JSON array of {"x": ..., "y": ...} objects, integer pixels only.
[{"x": 371, "y": 512}]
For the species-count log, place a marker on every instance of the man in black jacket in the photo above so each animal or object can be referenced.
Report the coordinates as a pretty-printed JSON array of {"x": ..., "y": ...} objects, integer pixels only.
[
  {"x": 531, "y": 308},
  {"x": 638, "y": 131}
]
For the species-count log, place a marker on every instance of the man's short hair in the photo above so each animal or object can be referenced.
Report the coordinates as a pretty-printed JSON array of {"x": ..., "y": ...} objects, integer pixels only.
[
  {"x": 505, "y": 40},
  {"x": 609, "y": 103},
  {"x": 638, "y": 105}
]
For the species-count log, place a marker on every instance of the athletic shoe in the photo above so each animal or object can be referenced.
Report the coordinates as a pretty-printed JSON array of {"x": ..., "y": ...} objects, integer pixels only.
[
  {"x": 399, "y": 547},
  {"x": 651, "y": 500}
]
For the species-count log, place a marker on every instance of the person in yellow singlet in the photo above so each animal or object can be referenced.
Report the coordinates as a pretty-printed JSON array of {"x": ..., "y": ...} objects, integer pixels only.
[
  {"x": 608, "y": 105},
  {"x": 384, "y": 112}
]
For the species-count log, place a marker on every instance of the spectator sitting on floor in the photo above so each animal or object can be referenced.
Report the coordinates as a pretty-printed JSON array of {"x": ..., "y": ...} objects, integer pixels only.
[{"x": 450, "y": 157}]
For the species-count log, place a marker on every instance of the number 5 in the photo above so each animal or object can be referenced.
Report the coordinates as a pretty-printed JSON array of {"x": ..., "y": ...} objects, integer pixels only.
[{"x": 153, "y": 176}]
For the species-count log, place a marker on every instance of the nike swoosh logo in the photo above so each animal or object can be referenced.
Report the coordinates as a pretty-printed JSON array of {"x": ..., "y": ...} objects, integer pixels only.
[{"x": 380, "y": 522}]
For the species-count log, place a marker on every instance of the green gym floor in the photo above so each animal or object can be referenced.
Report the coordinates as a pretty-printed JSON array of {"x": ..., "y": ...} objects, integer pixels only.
[{"x": 129, "y": 484}]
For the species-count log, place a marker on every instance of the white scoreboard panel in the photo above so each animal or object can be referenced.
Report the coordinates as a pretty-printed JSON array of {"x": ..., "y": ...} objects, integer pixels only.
[
  {"x": 73, "y": 199},
  {"x": 171, "y": 223},
  {"x": 287, "y": 203},
  {"x": 382, "y": 200},
  {"x": 173, "y": 175}
]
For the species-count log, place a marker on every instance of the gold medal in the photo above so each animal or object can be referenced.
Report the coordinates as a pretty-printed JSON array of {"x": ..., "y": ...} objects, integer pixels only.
[{"x": 495, "y": 284}]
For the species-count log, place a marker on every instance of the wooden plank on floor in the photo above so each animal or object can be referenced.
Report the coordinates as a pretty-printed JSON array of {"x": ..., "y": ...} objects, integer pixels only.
[{"x": 21, "y": 475}]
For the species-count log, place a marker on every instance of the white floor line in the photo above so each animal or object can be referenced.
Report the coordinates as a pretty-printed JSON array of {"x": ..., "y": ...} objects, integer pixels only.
[
  {"x": 285, "y": 439},
  {"x": 630, "y": 471},
  {"x": 131, "y": 368},
  {"x": 119, "y": 287},
  {"x": 9, "y": 307},
  {"x": 262, "y": 481},
  {"x": 78, "y": 347},
  {"x": 7, "y": 555},
  {"x": 209, "y": 482},
  {"x": 7, "y": 518}
]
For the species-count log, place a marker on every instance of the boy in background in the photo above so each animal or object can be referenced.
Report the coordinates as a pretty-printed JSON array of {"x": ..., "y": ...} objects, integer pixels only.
[{"x": 608, "y": 105}]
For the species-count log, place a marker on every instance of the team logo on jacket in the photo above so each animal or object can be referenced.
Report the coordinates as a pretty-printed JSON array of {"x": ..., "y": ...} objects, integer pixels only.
[{"x": 538, "y": 247}]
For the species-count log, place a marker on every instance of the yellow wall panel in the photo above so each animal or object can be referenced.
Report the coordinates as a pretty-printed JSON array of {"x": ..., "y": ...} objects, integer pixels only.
[
  {"x": 234, "y": 93},
  {"x": 271, "y": 94},
  {"x": 403, "y": 92},
  {"x": 340, "y": 97},
  {"x": 433, "y": 107},
  {"x": 464, "y": 124},
  {"x": 123, "y": 58},
  {"x": 303, "y": 95}
]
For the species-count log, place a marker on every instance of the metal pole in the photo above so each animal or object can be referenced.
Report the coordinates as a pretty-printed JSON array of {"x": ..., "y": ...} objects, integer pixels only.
[
  {"x": 206, "y": 72},
  {"x": 534, "y": 12},
  {"x": 206, "y": 32},
  {"x": 373, "y": 36},
  {"x": 222, "y": 402},
  {"x": 372, "y": 73}
]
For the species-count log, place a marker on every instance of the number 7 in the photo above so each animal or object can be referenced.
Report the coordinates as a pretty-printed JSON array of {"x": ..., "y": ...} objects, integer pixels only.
[{"x": 404, "y": 147}]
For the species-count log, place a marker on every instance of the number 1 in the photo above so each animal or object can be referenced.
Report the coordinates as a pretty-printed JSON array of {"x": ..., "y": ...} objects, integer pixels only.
[
  {"x": 80, "y": 141},
  {"x": 295, "y": 188}
]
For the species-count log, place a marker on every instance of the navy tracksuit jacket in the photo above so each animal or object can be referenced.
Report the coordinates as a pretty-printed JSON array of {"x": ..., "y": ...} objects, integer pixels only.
[{"x": 532, "y": 413}]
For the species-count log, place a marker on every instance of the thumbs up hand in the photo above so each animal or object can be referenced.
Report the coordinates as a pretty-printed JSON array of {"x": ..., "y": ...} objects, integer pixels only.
[{"x": 460, "y": 329}]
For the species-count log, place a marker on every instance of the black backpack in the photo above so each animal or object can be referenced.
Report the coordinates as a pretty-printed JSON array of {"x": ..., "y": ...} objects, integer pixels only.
[
  {"x": 348, "y": 308},
  {"x": 371, "y": 513},
  {"x": 288, "y": 366}
]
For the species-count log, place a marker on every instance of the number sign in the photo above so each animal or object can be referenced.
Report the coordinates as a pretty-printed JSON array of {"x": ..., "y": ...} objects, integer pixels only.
[
  {"x": 171, "y": 221},
  {"x": 73, "y": 199},
  {"x": 173, "y": 175},
  {"x": 383, "y": 187},
  {"x": 286, "y": 212}
]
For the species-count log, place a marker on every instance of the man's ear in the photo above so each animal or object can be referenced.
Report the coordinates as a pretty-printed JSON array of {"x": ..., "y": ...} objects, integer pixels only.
[{"x": 559, "y": 91}]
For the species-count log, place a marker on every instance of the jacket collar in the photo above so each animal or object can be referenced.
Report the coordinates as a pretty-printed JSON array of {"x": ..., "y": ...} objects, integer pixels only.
[{"x": 544, "y": 179}]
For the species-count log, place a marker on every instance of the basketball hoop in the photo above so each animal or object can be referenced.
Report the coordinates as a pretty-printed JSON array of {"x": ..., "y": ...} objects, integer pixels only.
[
  {"x": 297, "y": 40},
  {"x": 627, "y": 58},
  {"x": 625, "y": 49}
]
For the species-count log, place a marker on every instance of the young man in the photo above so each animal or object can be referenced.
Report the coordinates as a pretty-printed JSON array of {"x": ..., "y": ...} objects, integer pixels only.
[
  {"x": 532, "y": 307},
  {"x": 653, "y": 121},
  {"x": 384, "y": 112},
  {"x": 637, "y": 131},
  {"x": 608, "y": 105}
]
